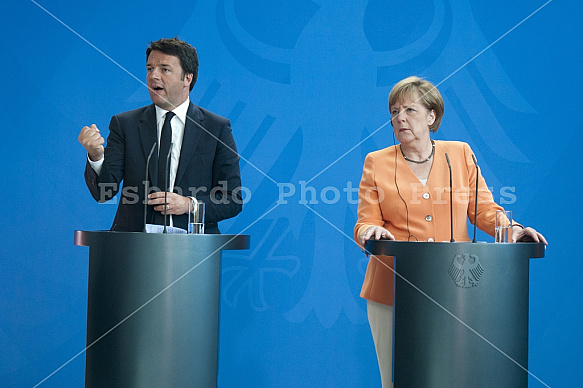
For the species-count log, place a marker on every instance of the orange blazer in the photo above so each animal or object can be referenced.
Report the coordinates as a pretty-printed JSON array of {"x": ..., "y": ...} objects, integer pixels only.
[{"x": 388, "y": 183}]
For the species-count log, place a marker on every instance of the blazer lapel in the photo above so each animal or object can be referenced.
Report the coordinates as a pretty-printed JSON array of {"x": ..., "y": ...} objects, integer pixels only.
[
  {"x": 192, "y": 133},
  {"x": 149, "y": 136}
]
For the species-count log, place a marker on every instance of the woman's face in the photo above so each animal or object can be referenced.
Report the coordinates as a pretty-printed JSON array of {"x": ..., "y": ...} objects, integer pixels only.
[{"x": 411, "y": 120}]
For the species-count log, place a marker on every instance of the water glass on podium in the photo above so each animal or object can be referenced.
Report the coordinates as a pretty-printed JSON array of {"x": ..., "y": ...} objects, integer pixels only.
[
  {"x": 503, "y": 231},
  {"x": 196, "y": 218}
]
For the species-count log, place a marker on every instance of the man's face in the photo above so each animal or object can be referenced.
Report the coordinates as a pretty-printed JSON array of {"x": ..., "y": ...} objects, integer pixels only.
[{"x": 168, "y": 88}]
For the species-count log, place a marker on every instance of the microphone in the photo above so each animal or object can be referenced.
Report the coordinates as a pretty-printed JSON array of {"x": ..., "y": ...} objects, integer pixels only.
[
  {"x": 166, "y": 187},
  {"x": 146, "y": 185},
  {"x": 450, "y": 199},
  {"x": 476, "y": 200}
]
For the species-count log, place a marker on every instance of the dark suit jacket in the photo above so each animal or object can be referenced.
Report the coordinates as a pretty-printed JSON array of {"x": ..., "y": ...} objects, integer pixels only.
[{"x": 208, "y": 167}]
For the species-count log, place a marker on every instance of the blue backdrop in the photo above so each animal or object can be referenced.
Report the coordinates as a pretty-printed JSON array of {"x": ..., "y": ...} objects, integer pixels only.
[{"x": 305, "y": 84}]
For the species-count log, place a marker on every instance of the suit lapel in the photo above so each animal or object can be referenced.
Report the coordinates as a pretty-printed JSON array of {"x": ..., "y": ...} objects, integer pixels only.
[
  {"x": 192, "y": 133},
  {"x": 149, "y": 136}
]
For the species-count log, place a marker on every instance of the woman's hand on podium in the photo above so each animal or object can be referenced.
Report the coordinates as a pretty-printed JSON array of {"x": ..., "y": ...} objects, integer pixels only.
[
  {"x": 520, "y": 234},
  {"x": 375, "y": 233}
]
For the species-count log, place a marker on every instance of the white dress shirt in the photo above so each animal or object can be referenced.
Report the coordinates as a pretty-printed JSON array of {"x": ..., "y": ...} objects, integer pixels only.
[{"x": 178, "y": 123}]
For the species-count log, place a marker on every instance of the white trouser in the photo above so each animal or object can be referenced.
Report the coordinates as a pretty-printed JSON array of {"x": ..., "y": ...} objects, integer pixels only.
[{"x": 380, "y": 319}]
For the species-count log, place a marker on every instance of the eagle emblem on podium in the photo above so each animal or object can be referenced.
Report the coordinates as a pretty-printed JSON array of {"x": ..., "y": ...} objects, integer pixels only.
[{"x": 466, "y": 270}]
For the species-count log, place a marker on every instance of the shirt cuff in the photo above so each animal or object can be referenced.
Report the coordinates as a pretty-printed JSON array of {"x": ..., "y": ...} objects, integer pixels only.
[
  {"x": 192, "y": 205},
  {"x": 96, "y": 166}
]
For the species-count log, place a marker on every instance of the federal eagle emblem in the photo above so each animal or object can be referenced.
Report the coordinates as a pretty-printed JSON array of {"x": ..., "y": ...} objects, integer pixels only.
[{"x": 466, "y": 270}]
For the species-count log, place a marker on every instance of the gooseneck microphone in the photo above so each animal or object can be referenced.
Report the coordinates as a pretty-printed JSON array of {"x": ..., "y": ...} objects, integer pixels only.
[
  {"x": 476, "y": 199},
  {"x": 146, "y": 184},
  {"x": 450, "y": 198},
  {"x": 166, "y": 188}
]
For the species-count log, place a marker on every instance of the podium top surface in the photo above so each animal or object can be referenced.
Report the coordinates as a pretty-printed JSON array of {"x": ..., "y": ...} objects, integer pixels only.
[
  {"x": 220, "y": 241},
  {"x": 400, "y": 248}
]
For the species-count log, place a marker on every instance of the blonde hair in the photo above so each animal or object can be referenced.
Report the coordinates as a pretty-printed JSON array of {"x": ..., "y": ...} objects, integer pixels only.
[{"x": 419, "y": 90}]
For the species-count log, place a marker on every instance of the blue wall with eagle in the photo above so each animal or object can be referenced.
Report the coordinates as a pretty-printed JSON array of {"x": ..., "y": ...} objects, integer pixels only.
[{"x": 305, "y": 85}]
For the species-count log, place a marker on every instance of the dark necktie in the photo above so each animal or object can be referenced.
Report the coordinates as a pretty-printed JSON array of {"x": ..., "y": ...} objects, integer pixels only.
[{"x": 164, "y": 149}]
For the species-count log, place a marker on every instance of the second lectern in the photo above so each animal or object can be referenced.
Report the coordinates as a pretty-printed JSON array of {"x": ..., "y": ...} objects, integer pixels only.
[
  {"x": 461, "y": 313},
  {"x": 153, "y": 308}
]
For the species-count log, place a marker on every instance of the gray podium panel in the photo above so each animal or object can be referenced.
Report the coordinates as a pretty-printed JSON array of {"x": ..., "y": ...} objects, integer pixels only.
[
  {"x": 461, "y": 313},
  {"x": 153, "y": 308}
]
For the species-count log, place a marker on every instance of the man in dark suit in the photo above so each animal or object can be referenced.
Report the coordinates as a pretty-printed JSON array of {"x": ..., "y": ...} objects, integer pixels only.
[{"x": 199, "y": 146}]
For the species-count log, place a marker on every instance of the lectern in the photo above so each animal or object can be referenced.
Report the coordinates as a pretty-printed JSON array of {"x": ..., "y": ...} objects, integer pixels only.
[
  {"x": 153, "y": 308},
  {"x": 461, "y": 312}
]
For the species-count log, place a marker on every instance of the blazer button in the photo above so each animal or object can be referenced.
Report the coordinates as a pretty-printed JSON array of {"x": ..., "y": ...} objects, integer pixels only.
[
  {"x": 428, "y": 218},
  {"x": 425, "y": 195}
]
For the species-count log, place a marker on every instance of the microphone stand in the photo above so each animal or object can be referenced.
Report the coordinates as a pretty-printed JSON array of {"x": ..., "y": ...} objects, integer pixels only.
[
  {"x": 166, "y": 188},
  {"x": 476, "y": 200},
  {"x": 146, "y": 185},
  {"x": 450, "y": 199}
]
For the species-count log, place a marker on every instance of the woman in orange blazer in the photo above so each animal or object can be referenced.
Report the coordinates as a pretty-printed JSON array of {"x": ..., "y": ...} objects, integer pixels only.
[{"x": 405, "y": 195}]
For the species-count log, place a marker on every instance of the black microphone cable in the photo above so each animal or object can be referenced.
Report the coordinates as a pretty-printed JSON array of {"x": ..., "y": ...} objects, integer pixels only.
[{"x": 399, "y": 192}]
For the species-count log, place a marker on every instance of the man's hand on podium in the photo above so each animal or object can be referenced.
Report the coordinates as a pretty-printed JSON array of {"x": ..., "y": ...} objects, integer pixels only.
[{"x": 176, "y": 204}]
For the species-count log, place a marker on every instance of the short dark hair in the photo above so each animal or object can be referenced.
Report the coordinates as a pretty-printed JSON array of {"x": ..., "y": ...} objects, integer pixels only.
[{"x": 180, "y": 49}]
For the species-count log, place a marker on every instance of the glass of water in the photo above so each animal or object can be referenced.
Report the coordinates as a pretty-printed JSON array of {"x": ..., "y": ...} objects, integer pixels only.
[
  {"x": 503, "y": 231},
  {"x": 196, "y": 218}
]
